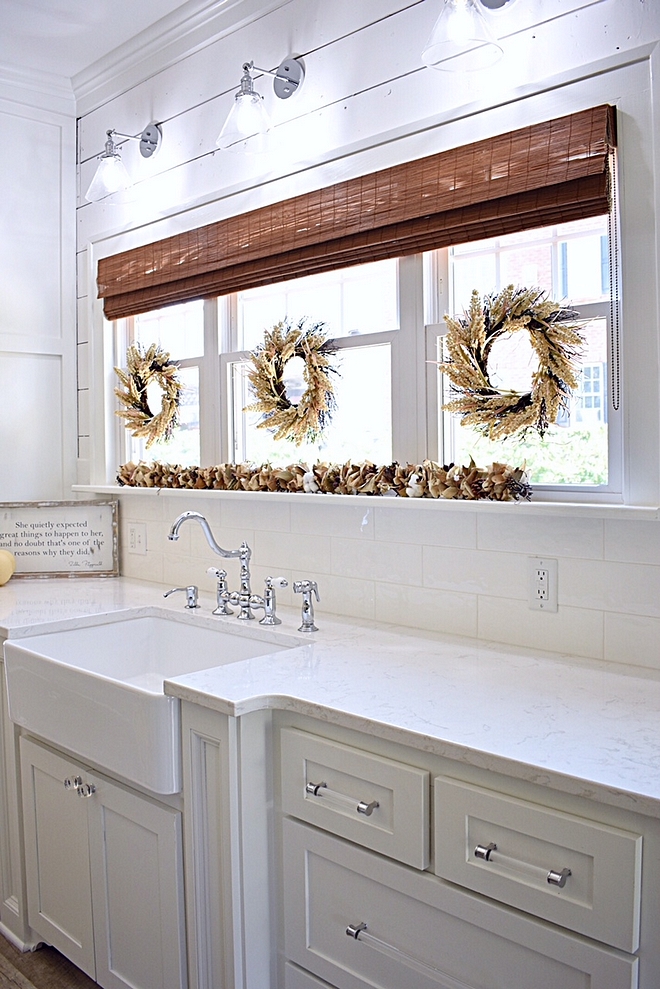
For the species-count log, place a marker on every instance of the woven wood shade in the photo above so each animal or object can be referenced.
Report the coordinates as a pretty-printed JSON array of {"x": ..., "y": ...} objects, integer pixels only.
[{"x": 540, "y": 175}]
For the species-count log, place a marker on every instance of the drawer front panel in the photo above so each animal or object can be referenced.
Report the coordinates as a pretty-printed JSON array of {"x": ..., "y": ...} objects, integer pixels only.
[
  {"x": 376, "y": 802},
  {"x": 578, "y": 873},
  {"x": 410, "y": 929},
  {"x": 297, "y": 978}
]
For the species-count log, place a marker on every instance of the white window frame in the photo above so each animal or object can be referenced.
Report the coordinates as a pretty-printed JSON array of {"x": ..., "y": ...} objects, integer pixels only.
[
  {"x": 439, "y": 302},
  {"x": 419, "y": 428},
  {"x": 409, "y": 417}
]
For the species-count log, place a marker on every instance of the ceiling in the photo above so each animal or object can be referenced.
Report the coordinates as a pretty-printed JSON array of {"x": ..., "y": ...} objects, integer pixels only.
[{"x": 66, "y": 36}]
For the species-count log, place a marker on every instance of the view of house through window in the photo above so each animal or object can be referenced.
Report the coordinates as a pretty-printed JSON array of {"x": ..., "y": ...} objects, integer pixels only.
[{"x": 367, "y": 311}]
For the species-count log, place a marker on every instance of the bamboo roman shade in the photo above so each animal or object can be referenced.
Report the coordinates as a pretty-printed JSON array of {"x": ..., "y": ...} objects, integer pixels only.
[{"x": 544, "y": 174}]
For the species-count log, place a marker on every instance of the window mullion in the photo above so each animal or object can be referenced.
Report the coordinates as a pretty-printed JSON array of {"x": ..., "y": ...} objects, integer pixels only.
[
  {"x": 209, "y": 391},
  {"x": 409, "y": 426}
]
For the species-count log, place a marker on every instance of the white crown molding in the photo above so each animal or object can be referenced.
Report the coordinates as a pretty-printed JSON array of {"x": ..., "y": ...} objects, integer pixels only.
[
  {"x": 191, "y": 27},
  {"x": 42, "y": 90}
]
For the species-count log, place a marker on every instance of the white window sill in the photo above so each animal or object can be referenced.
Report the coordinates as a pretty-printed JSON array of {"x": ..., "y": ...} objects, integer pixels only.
[{"x": 535, "y": 507}]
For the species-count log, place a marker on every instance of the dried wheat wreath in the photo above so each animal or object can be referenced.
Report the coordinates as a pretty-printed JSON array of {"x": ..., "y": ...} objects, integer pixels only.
[
  {"x": 305, "y": 421},
  {"x": 555, "y": 341},
  {"x": 142, "y": 369}
]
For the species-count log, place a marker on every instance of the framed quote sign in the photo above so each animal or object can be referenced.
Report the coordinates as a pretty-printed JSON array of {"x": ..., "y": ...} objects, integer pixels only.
[{"x": 61, "y": 538}]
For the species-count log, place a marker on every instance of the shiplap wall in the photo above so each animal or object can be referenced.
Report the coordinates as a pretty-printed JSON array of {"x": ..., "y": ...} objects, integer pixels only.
[
  {"x": 37, "y": 293},
  {"x": 367, "y": 103}
]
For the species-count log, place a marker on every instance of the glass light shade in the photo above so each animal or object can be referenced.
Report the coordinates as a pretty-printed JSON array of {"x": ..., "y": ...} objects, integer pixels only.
[
  {"x": 111, "y": 177},
  {"x": 247, "y": 125},
  {"x": 461, "y": 40}
]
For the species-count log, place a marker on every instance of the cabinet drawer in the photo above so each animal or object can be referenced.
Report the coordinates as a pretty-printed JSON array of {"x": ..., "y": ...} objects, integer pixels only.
[
  {"x": 598, "y": 896},
  {"x": 420, "y": 932},
  {"x": 373, "y": 801},
  {"x": 297, "y": 978}
]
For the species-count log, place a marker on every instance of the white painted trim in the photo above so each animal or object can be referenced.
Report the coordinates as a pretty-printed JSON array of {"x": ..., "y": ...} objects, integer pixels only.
[
  {"x": 568, "y": 509},
  {"x": 42, "y": 90},
  {"x": 188, "y": 29},
  {"x": 22, "y": 946}
]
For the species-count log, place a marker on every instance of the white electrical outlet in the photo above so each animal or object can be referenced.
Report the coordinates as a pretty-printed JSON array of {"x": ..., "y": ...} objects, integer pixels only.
[
  {"x": 542, "y": 584},
  {"x": 137, "y": 538}
]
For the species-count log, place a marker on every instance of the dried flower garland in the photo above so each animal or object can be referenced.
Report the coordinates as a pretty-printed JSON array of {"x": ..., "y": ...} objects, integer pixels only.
[
  {"x": 305, "y": 421},
  {"x": 470, "y": 339},
  {"x": 499, "y": 482},
  {"x": 142, "y": 369}
]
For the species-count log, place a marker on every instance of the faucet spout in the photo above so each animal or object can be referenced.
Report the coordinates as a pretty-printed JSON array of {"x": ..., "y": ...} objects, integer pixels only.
[{"x": 206, "y": 528}]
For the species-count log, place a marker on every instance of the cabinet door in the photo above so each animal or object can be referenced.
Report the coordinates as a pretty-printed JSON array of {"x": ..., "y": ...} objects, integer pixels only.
[
  {"x": 137, "y": 890},
  {"x": 57, "y": 855}
]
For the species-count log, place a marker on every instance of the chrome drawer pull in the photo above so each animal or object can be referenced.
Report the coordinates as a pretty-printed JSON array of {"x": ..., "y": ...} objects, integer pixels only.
[
  {"x": 86, "y": 790},
  {"x": 558, "y": 878},
  {"x": 74, "y": 783},
  {"x": 360, "y": 933},
  {"x": 555, "y": 877},
  {"x": 321, "y": 790},
  {"x": 484, "y": 851}
]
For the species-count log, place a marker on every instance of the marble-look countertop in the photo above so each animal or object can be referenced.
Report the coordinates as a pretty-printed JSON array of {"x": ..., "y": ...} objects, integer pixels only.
[{"x": 583, "y": 727}]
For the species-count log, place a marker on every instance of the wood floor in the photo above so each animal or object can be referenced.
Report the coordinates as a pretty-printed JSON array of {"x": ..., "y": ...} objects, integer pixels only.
[{"x": 42, "y": 969}]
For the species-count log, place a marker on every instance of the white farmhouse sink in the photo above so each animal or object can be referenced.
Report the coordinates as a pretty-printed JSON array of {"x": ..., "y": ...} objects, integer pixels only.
[{"x": 98, "y": 691}]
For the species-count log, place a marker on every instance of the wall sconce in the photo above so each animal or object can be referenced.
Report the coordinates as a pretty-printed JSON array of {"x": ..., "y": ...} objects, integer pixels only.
[
  {"x": 248, "y": 123},
  {"x": 111, "y": 176},
  {"x": 461, "y": 40}
]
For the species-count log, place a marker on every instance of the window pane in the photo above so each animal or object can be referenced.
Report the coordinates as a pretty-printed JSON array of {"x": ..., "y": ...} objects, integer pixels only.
[
  {"x": 574, "y": 450},
  {"x": 178, "y": 329},
  {"x": 570, "y": 262},
  {"x": 361, "y": 425},
  {"x": 350, "y": 301},
  {"x": 183, "y": 448}
]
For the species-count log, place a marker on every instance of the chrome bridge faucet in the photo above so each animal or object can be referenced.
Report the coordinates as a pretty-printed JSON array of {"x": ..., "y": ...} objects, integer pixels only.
[{"x": 243, "y": 553}]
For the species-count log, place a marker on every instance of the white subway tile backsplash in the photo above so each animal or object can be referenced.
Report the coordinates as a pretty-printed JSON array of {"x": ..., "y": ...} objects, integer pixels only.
[
  {"x": 149, "y": 567},
  {"x": 305, "y": 555},
  {"x": 370, "y": 560},
  {"x": 353, "y": 521},
  {"x": 345, "y": 596},
  {"x": 628, "y": 588},
  {"x": 249, "y": 513},
  {"x": 475, "y": 571},
  {"x": 424, "y": 608},
  {"x": 427, "y": 528},
  {"x": 147, "y": 509},
  {"x": 632, "y": 639},
  {"x": 536, "y": 535},
  {"x": 461, "y": 573},
  {"x": 576, "y": 631},
  {"x": 632, "y": 541}
]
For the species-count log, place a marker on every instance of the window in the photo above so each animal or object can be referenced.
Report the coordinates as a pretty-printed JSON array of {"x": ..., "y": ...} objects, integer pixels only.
[
  {"x": 566, "y": 261},
  {"x": 359, "y": 307},
  {"x": 180, "y": 331},
  {"x": 389, "y": 393},
  {"x": 298, "y": 258}
]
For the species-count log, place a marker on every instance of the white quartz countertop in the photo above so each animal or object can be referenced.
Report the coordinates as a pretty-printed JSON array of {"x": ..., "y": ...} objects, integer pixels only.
[{"x": 583, "y": 727}]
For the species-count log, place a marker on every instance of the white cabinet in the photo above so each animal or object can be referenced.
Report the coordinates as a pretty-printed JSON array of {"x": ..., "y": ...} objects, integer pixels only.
[
  {"x": 13, "y": 912},
  {"x": 557, "y": 896},
  {"x": 104, "y": 873},
  {"x": 358, "y": 919}
]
